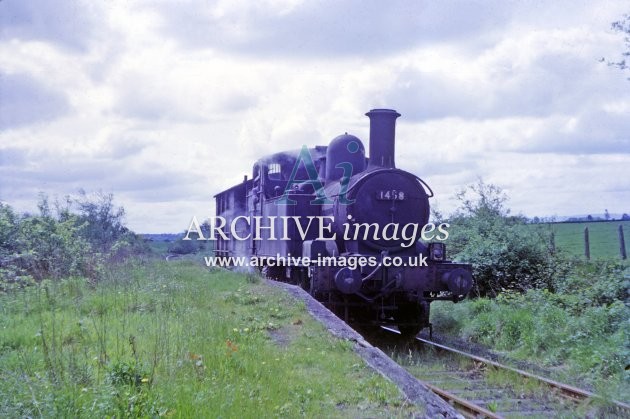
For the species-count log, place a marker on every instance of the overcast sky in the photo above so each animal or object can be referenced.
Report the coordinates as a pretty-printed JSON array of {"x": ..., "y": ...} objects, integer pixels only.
[{"x": 166, "y": 103}]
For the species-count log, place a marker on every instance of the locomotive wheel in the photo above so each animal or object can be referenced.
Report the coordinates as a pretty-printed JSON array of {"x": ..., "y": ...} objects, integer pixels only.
[
  {"x": 300, "y": 277},
  {"x": 316, "y": 288},
  {"x": 275, "y": 272},
  {"x": 410, "y": 320}
]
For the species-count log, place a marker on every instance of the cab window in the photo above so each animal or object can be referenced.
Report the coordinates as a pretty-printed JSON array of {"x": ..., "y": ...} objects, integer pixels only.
[{"x": 275, "y": 171}]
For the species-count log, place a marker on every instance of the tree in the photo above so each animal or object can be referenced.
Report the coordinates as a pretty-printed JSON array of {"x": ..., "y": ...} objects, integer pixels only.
[
  {"x": 78, "y": 237},
  {"x": 504, "y": 251},
  {"x": 103, "y": 225},
  {"x": 103, "y": 221},
  {"x": 49, "y": 247},
  {"x": 12, "y": 275}
]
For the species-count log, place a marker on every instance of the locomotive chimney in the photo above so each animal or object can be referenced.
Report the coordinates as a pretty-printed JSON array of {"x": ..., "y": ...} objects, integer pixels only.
[{"x": 382, "y": 137}]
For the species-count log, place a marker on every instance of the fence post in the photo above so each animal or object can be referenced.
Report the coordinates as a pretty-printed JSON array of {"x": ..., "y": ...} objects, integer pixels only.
[
  {"x": 622, "y": 244},
  {"x": 587, "y": 249},
  {"x": 553, "y": 242}
]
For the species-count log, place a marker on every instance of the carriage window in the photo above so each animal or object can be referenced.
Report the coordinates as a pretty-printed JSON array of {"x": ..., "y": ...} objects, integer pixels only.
[{"x": 275, "y": 171}]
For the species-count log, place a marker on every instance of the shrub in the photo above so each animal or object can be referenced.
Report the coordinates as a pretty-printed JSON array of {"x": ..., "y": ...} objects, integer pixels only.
[
  {"x": 594, "y": 283},
  {"x": 592, "y": 339},
  {"x": 78, "y": 238},
  {"x": 504, "y": 253},
  {"x": 192, "y": 244}
]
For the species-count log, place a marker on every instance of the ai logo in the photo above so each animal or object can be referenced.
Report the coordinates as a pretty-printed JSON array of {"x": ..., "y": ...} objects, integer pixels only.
[{"x": 306, "y": 159}]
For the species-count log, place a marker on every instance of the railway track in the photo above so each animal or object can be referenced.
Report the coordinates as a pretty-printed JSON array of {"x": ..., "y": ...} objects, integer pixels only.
[{"x": 481, "y": 387}]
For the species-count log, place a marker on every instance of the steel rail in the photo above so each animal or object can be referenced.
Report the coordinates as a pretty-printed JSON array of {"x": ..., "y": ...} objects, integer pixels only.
[
  {"x": 574, "y": 393},
  {"x": 566, "y": 390},
  {"x": 467, "y": 408}
]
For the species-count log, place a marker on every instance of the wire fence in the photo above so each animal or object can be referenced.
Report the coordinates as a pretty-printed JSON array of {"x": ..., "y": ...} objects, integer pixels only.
[{"x": 603, "y": 239}]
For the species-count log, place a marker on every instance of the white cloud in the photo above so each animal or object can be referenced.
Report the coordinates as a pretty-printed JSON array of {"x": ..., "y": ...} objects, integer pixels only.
[
  {"x": 57, "y": 22},
  {"x": 166, "y": 104},
  {"x": 27, "y": 101}
]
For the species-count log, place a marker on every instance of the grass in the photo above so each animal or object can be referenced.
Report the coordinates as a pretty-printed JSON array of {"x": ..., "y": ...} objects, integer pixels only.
[
  {"x": 496, "y": 388},
  {"x": 172, "y": 339},
  {"x": 603, "y": 238},
  {"x": 582, "y": 345}
]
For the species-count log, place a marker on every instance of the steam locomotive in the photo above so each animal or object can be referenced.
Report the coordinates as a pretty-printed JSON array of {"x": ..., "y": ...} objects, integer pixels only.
[{"x": 346, "y": 228}]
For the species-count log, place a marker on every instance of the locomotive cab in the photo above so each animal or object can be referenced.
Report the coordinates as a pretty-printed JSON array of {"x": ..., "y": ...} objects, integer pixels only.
[{"x": 273, "y": 173}]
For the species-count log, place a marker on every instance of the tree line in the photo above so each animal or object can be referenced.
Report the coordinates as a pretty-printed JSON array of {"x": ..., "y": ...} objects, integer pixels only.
[{"x": 77, "y": 236}]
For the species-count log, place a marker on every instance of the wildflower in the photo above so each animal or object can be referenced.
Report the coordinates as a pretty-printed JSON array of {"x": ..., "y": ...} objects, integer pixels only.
[
  {"x": 194, "y": 356},
  {"x": 231, "y": 346}
]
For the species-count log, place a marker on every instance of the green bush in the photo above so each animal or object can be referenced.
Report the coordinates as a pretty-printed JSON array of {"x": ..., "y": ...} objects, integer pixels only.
[
  {"x": 49, "y": 248},
  {"x": 504, "y": 253},
  {"x": 595, "y": 283},
  {"x": 590, "y": 336},
  {"x": 78, "y": 238},
  {"x": 533, "y": 303},
  {"x": 192, "y": 245}
]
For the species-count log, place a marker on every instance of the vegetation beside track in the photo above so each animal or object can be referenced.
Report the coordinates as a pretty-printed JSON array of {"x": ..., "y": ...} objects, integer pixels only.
[
  {"x": 89, "y": 324},
  {"x": 93, "y": 325},
  {"x": 172, "y": 339},
  {"x": 536, "y": 302},
  {"x": 580, "y": 330}
]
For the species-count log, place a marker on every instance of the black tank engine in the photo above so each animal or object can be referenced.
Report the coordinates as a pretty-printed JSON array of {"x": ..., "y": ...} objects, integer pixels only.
[{"x": 363, "y": 254}]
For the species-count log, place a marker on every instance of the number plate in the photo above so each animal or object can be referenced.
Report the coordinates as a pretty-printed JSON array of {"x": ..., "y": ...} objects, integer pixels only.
[{"x": 390, "y": 195}]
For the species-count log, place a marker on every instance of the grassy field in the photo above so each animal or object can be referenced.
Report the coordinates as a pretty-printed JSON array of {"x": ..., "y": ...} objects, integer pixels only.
[
  {"x": 603, "y": 238},
  {"x": 172, "y": 339}
]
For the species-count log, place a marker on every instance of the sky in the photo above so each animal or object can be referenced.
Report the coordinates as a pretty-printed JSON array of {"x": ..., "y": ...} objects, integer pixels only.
[{"x": 164, "y": 104}]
